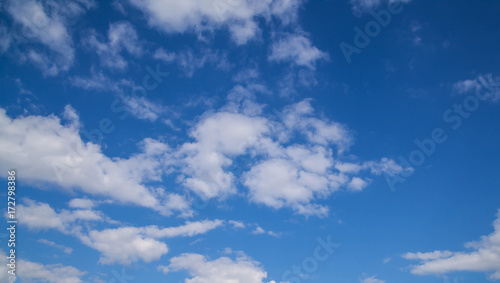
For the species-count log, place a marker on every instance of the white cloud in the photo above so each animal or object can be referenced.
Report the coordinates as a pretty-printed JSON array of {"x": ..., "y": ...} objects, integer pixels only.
[
  {"x": 50, "y": 151},
  {"x": 240, "y": 17},
  {"x": 38, "y": 215},
  {"x": 363, "y": 6},
  {"x": 357, "y": 184},
  {"x": 100, "y": 82},
  {"x": 81, "y": 203},
  {"x": 218, "y": 137},
  {"x": 221, "y": 270},
  {"x": 298, "y": 49},
  {"x": 51, "y": 273},
  {"x": 189, "y": 61},
  {"x": 237, "y": 224},
  {"x": 130, "y": 244},
  {"x": 124, "y": 245},
  {"x": 29, "y": 271},
  {"x": 142, "y": 108},
  {"x": 485, "y": 84},
  {"x": 258, "y": 230},
  {"x": 122, "y": 36},
  {"x": 283, "y": 174},
  {"x": 372, "y": 279},
  {"x": 483, "y": 257},
  {"x": 187, "y": 230},
  {"x": 47, "y": 23},
  {"x": 5, "y": 39},
  {"x": 163, "y": 55},
  {"x": 278, "y": 183},
  {"x": 66, "y": 250}
]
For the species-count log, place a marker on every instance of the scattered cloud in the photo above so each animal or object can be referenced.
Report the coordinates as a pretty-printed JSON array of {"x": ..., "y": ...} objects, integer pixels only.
[
  {"x": 122, "y": 36},
  {"x": 483, "y": 257},
  {"x": 124, "y": 244},
  {"x": 485, "y": 84},
  {"x": 51, "y": 273},
  {"x": 47, "y": 23},
  {"x": 360, "y": 7},
  {"x": 239, "y": 17},
  {"x": 66, "y": 250},
  {"x": 372, "y": 279},
  {"x": 223, "y": 270},
  {"x": 298, "y": 49}
]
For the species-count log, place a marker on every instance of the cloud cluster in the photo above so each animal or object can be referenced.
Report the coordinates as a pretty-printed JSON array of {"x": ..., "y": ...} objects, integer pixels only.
[
  {"x": 296, "y": 48},
  {"x": 296, "y": 158},
  {"x": 240, "y": 17}
]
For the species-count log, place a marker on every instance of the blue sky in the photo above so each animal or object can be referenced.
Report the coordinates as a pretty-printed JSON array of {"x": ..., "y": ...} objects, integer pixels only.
[{"x": 252, "y": 141}]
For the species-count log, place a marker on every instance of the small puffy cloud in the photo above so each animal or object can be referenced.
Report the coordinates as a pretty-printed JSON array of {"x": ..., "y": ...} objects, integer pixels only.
[
  {"x": 258, "y": 230},
  {"x": 372, "y": 279},
  {"x": 483, "y": 257},
  {"x": 237, "y": 224},
  {"x": 221, "y": 270},
  {"x": 357, "y": 184},
  {"x": 297, "y": 49}
]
